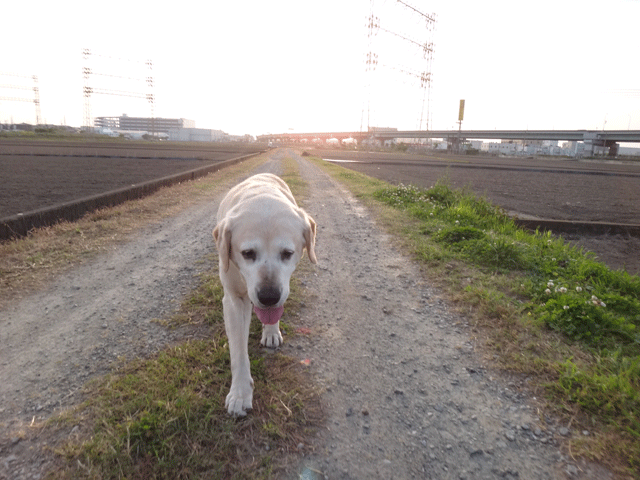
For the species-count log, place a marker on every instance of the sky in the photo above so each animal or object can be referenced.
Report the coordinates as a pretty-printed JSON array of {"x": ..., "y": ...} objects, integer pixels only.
[{"x": 256, "y": 67}]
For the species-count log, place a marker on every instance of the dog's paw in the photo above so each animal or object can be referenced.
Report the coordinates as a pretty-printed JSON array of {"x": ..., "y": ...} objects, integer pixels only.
[
  {"x": 240, "y": 399},
  {"x": 271, "y": 336}
]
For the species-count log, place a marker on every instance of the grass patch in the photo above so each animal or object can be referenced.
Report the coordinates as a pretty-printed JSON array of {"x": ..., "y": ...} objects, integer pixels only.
[
  {"x": 542, "y": 306},
  {"x": 165, "y": 417},
  {"x": 291, "y": 175}
]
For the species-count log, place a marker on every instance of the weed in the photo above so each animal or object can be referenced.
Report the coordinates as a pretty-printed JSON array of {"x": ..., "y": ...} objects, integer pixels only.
[{"x": 456, "y": 234}]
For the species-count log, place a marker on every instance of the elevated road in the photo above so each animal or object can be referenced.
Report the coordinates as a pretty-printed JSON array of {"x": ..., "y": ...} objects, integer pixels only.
[
  {"x": 591, "y": 138},
  {"x": 617, "y": 136},
  {"x": 560, "y": 135}
]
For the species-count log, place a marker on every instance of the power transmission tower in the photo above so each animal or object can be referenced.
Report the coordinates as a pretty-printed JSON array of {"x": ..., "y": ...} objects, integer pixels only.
[
  {"x": 35, "y": 99},
  {"x": 138, "y": 86},
  {"x": 420, "y": 71},
  {"x": 371, "y": 61},
  {"x": 86, "y": 90}
]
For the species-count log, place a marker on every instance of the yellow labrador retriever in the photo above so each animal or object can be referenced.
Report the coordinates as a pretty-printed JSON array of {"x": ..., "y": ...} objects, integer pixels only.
[{"x": 261, "y": 235}]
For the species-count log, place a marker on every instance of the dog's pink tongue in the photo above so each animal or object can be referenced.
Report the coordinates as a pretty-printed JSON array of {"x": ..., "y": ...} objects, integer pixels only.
[{"x": 269, "y": 316}]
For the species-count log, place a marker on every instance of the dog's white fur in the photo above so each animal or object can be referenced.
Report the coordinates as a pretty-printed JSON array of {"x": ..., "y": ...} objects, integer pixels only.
[{"x": 261, "y": 235}]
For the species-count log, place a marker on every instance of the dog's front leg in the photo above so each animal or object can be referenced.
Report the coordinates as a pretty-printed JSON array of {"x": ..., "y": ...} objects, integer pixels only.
[
  {"x": 237, "y": 317},
  {"x": 271, "y": 336}
]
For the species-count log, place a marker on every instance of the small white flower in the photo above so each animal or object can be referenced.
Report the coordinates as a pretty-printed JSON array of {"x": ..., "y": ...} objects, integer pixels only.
[
  {"x": 547, "y": 291},
  {"x": 550, "y": 283},
  {"x": 566, "y": 307},
  {"x": 553, "y": 259},
  {"x": 578, "y": 289},
  {"x": 563, "y": 290},
  {"x": 602, "y": 304}
]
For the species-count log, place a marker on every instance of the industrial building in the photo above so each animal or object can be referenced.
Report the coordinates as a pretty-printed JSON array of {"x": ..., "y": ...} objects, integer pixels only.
[
  {"x": 147, "y": 124},
  {"x": 196, "y": 135},
  {"x": 172, "y": 129}
]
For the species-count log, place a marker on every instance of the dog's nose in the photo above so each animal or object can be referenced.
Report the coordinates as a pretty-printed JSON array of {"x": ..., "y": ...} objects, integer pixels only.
[{"x": 269, "y": 296}]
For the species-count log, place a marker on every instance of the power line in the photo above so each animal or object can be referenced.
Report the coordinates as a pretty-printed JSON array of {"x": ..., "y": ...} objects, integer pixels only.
[
  {"x": 429, "y": 18},
  {"x": 627, "y": 92},
  {"x": 426, "y": 47},
  {"x": 3, "y": 74}
]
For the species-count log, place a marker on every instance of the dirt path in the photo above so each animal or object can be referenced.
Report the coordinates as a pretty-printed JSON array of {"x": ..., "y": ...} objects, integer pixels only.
[{"x": 406, "y": 393}]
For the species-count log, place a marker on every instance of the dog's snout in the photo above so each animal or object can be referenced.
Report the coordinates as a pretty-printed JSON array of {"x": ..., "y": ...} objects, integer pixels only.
[{"x": 269, "y": 296}]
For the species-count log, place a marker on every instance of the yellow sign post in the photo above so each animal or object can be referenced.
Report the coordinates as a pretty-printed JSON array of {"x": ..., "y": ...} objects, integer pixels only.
[{"x": 458, "y": 147}]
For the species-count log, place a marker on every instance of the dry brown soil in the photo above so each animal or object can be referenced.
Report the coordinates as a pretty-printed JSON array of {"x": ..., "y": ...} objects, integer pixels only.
[{"x": 41, "y": 174}]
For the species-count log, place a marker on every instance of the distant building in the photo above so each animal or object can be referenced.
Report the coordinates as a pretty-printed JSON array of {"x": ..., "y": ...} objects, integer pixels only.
[
  {"x": 246, "y": 138},
  {"x": 22, "y": 127},
  {"x": 107, "y": 131},
  {"x": 147, "y": 124},
  {"x": 196, "y": 135},
  {"x": 499, "y": 148},
  {"x": 629, "y": 151}
]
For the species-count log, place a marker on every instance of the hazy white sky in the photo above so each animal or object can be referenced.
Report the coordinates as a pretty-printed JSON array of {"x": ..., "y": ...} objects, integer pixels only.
[{"x": 274, "y": 66}]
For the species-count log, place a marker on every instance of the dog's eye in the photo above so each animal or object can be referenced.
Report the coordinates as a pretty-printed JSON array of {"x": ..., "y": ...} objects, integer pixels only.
[
  {"x": 286, "y": 254},
  {"x": 249, "y": 254}
]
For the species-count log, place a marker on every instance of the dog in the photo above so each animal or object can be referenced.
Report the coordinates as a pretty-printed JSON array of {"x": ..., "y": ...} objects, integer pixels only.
[{"x": 261, "y": 234}]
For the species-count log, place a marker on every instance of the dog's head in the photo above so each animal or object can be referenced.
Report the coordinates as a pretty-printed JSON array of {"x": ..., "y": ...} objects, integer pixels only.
[{"x": 265, "y": 250}]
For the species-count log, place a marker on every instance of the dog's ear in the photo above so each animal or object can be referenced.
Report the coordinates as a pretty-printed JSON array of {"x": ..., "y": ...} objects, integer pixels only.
[
  {"x": 310, "y": 237},
  {"x": 222, "y": 236}
]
